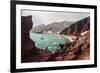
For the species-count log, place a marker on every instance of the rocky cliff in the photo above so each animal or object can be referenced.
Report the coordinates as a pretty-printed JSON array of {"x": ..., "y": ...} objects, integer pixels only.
[
  {"x": 27, "y": 45},
  {"x": 77, "y": 27},
  {"x": 79, "y": 49},
  {"x": 29, "y": 53}
]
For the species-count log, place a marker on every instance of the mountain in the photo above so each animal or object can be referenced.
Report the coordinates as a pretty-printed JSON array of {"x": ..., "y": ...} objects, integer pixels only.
[
  {"x": 38, "y": 28},
  {"x": 77, "y": 27},
  {"x": 54, "y": 27}
]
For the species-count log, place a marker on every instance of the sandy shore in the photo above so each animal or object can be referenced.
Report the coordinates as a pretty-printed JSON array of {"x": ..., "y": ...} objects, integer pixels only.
[{"x": 71, "y": 38}]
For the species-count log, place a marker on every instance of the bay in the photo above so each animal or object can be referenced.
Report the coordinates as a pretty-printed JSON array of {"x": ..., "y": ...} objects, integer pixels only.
[{"x": 50, "y": 41}]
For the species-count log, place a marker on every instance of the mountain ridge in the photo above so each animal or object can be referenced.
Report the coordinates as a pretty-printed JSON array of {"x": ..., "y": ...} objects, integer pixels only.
[
  {"x": 54, "y": 27},
  {"x": 77, "y": 27}
]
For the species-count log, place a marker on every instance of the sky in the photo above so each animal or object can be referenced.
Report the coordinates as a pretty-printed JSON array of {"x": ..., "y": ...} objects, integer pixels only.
[{"x": 47, "y": 17}]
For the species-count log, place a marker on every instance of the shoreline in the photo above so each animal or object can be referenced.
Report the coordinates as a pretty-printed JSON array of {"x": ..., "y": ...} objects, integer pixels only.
[{"x": 71, "y": 38}]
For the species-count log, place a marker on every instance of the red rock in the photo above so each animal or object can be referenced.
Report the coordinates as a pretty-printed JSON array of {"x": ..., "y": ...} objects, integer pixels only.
[{"x": 59, "y": 58}]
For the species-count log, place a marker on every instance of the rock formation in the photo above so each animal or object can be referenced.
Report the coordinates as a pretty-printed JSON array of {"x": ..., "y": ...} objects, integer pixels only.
[
  {"x": 78, "y": 27},
  {"x": 79, "y": 49},
  {"x": 30, "y": 53},
  {"x": 27, "y": 45}
]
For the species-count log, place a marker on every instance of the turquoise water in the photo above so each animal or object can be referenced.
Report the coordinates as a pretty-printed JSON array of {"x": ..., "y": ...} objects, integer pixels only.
[{"x": 48, "y": 40}]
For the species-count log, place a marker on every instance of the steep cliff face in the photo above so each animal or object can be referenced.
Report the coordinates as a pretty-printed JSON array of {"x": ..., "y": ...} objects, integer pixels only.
[
  {"x": 27, "y": 45},
  {"x": 78, "y": 27},
  {"x": 80, "y": 47},
  {"x": 30, "y": 53}
]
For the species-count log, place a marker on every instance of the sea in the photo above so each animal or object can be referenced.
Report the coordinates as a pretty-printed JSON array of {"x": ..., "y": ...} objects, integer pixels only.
[{"x": 50, "y": 41}]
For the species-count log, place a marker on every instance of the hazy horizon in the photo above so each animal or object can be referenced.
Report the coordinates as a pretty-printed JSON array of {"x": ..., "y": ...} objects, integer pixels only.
[{"x": 47, "y": 17}]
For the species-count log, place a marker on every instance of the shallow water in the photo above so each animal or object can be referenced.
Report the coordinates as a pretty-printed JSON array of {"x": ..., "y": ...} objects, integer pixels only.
[{"x": 48, "y": 40}]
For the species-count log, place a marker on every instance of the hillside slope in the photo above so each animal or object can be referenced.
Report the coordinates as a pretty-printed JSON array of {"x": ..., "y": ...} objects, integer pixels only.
[
  {"x": 77, "y": 27},
  {"x": 79, "y": 49},
  {"x": 54, "y": 27}
]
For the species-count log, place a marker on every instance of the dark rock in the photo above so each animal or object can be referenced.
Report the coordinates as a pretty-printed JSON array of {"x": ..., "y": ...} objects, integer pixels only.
[
  {"x": 77, "y": 27},
  {"x": 27, "y": 45}
]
